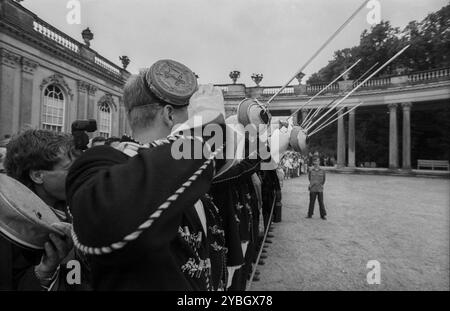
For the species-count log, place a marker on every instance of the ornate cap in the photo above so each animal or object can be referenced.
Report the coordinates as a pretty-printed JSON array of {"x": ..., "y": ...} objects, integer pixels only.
[{"x": 171, "y": 81}]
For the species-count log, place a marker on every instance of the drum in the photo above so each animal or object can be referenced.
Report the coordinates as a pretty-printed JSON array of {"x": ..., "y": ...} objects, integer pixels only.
[
  {"x": 24, "y": 218},
  {"x": 297, "y": 140},
  {"x": 171, "y": 81},
  {"x": 250, "y": 111}
]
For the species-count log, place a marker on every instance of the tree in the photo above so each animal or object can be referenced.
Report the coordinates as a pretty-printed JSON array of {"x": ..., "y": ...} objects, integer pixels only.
[{"x": 429, "y": 39}]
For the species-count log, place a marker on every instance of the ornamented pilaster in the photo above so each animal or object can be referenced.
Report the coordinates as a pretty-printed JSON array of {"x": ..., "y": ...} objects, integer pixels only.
[
  {"x": 92, "y": 89},
  {"x": 9, "y": 88},
  {"x": 9, "y": 58},
  {"x": 82, "y": 88},
  {"x": 92, "y": 108},
  {"x": 29, "y": 67}
]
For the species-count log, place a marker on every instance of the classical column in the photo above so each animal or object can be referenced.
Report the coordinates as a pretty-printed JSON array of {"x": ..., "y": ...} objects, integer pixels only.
[
  {"x": 304, "y": 113},
  {"x": 351, "y": 138},
  {"x": 26, "y": 91},
  {"x": 294, "y": 117},
  {"x": 8, "y": 65},
  {"x": 406, "y": 135},
  {"x": 341, "y": 140},
  {"x": 393, "y": 141}
]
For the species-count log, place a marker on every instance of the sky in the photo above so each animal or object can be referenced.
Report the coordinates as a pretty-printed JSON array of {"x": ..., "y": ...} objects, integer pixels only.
[{"x": 214, "y": 37}]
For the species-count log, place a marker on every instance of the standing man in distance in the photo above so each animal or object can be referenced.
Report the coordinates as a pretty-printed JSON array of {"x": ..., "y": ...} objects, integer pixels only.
[{"x": 316, "y": 177}]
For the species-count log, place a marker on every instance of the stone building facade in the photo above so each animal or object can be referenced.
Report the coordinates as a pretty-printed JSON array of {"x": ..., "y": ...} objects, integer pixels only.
[{"x": 48, "y": 79}]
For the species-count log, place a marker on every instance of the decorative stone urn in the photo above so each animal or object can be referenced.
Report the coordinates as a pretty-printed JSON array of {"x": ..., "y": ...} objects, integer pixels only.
[
  {"x": 257, "y": 78},
  {"x": 125, "y": 61},
  {"x": 234, "y": 75},
  {"x": 87, "y": 36}
]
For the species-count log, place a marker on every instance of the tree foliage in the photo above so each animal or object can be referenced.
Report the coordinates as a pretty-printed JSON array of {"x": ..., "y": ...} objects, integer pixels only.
[{"x": 430, "y": 46}]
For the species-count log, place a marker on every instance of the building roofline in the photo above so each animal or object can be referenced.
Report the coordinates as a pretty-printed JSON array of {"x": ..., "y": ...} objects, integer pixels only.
[{"x": 25, "y": 25}]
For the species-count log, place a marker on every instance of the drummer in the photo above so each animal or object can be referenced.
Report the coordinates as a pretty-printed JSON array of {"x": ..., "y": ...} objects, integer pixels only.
[
  {"x": 112, "y": 194},
  {"x": 39, "y": 159}
]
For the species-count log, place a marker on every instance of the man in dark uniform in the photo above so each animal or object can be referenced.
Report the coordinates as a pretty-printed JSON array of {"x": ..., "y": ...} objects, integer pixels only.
[
  {"x": 144, "y": 220},
  {"x": 228, "y": 194}
]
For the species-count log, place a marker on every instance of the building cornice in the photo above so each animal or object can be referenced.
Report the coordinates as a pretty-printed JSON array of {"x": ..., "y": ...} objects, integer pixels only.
[{"x": 46, "y": 45}]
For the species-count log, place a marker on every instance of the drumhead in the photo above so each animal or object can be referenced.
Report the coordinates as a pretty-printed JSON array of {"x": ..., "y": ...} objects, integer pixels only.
[
  {"x": 298, "y": 140},
  {"x": 250, "y": 111},
  {"x": 24, "y": 218}
]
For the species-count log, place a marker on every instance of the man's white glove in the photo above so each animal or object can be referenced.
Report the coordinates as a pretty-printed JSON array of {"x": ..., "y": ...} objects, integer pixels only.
[{"x": 208, "y": 103}]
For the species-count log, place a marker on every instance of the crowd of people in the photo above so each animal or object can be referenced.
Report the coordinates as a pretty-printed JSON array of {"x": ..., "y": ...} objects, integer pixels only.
[
  {"x": 133, "y": 216},
  {"x": 294, "y": 164}
]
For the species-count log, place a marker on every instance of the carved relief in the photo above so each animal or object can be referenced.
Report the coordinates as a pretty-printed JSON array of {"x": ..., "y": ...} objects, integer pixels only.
[
  {"x": 82, "y": 86},
  {"x": 107, "y": 99},
  {"x": 9, "y": 58},
  {"x": 57, "y": 79},
  {"x": 28, "y": 65},
  {"x": 92, "y": 89}
]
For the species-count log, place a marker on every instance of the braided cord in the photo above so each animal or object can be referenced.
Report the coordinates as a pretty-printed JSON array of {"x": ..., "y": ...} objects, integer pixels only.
[{"x": 155, "y": 215}]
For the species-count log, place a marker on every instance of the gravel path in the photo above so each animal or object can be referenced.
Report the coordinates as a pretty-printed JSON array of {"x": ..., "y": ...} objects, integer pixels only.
[{"x": 403, "y": 222}]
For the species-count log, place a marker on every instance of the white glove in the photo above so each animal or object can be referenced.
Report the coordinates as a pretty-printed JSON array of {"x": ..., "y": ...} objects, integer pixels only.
[{"x": 208, "y": 103}]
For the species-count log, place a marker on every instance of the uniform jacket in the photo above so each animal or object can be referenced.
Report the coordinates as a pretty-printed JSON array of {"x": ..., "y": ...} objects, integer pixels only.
[
  {"x": 111, "y": 195},
  {"x": 316, "y": 180}
]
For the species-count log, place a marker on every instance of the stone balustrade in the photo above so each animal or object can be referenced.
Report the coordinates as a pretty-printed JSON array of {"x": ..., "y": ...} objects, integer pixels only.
[
  {"x": 429, "y": 75},
  {"x": 103, "y": 62},
  {"x": 55, "y": 35},
  {"x": 316, "y": 88},
  {"x": 422, "y": 77},
  {"x": 269, "y": 91}
]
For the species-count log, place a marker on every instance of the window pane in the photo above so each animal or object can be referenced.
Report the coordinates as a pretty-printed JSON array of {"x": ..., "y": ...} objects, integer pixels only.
[{"x": 53, "y": 109}]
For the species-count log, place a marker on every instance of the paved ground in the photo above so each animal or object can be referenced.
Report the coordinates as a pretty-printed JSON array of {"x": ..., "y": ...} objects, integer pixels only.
[{"x": 403, "y": 222}]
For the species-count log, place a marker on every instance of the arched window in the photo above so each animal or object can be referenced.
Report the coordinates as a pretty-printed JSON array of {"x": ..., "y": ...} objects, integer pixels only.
[
  {"x": 53, "y": 109},
  {"x": 104, "y": 117}
]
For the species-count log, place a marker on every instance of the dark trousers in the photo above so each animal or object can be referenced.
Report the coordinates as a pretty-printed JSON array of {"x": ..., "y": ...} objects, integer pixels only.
[{"x": 312, "y": 202}]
